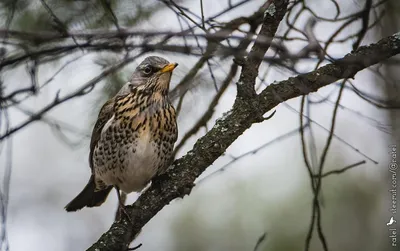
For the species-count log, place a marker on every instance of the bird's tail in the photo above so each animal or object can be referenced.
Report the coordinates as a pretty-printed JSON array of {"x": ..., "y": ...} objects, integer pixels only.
[{"x": 88, "y": 197}]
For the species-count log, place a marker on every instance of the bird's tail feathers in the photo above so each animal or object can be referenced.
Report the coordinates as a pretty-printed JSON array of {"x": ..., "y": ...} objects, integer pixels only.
[{"x": 88, "y": 197}]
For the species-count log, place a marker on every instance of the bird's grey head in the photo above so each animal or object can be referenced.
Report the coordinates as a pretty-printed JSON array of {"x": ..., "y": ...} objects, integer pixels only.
[
  {"x": 147, "y": 68},
  {"x": 154, "y": 72},
  {"x": 143, "y": 72}
]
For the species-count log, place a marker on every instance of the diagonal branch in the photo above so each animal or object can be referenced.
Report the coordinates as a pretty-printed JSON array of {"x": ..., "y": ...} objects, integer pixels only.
[{"x": 227, "y": 129}]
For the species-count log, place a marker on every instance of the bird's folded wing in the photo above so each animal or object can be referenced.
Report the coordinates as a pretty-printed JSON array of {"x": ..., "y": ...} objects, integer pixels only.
[{"x": 105, "y": 114}]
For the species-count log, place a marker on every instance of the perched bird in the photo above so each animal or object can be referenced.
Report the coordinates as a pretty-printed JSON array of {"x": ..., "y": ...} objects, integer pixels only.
[{"x": 134, "y": 135}]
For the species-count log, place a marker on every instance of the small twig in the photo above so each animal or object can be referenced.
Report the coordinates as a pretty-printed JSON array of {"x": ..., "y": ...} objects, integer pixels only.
[
  {"x": 59, "y": 25},
  {"x": 202, "y": 14},
  {"x": 260, "y": 240},
  {"x": 365, "y": 21},
  {"x": 337, "y": 8},
  {"x": 321, "y": 166},
  {"x": 251, "y": 152},
  {"x": 182, "y": 12},
  {"x": 212, "y": 46},
  {"x": 209, "y": 111},
  {"x": 79, "y": 92},
  {"x": 107, "y": 7},
  {"x": 135, "y": 248},
  {"x": 212, "y": 75},
  {"x": 342, "y": 170}
]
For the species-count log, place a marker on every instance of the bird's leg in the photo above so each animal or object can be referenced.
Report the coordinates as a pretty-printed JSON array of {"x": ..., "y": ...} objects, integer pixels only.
[
  {"x": 121, "y": 205},
  {"x": 121, "y": 200}
]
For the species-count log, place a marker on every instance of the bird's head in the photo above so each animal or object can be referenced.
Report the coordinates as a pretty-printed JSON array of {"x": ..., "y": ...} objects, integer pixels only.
[{"x": 153, "y": 75}]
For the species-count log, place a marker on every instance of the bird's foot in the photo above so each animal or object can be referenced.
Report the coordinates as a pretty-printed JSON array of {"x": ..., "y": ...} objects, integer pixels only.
[{"x": 122, "y": 210}]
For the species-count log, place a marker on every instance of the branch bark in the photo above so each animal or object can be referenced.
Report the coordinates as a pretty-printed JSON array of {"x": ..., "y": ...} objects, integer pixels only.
[{"x": 247, "y": 110}]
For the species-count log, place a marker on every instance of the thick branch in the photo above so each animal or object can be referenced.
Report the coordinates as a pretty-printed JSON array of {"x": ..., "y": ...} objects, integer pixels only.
[
  {"x": 272, "y": 17},
  {"x": 346, "y": 67}
]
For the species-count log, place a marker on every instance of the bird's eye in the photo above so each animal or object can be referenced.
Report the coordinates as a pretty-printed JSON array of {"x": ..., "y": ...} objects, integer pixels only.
[{"x": 147, "y": 70}]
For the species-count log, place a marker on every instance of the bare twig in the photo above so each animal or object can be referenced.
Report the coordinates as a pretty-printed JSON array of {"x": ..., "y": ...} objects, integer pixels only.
[
  {"x": 210, "y": 110},
  {"x": 86, "y": 88},
  {"x": 260, "y": 240},
  {"x": 251, "y": 152},
  {"x": 365, "y": 22},
  {"x": 342, "y": 170}
]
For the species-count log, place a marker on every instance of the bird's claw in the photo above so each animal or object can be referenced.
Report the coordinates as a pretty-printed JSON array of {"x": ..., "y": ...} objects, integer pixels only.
[{"x": 122, "y": 209}]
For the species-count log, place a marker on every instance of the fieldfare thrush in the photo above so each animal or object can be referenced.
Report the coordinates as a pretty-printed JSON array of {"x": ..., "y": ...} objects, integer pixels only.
[{"x": 134, "y": 135}]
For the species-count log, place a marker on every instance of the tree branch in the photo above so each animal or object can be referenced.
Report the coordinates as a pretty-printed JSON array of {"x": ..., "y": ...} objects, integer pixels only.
[{"x": 245, "y": 112}]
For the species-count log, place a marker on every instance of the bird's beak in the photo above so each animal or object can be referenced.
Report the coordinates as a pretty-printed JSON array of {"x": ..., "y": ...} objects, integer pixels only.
[{"x": 169, "y": 67}]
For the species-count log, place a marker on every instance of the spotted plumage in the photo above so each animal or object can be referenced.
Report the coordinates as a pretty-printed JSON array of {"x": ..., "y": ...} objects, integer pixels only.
[{"x": 133, "y": 138}]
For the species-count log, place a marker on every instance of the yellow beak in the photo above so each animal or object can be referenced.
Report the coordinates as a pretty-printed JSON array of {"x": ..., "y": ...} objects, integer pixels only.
[{"x": 169, "y": 67}]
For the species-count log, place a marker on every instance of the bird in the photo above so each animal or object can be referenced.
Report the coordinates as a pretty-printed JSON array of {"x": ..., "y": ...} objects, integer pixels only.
[
  {"x": 133, "y": 138},
  {"x": 391, "y": 221}
]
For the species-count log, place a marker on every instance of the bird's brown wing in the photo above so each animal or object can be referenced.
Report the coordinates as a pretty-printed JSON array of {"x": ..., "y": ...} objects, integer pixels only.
[
  {"x": 91, "y": 196},
  {"x": 105, "y": 114}
]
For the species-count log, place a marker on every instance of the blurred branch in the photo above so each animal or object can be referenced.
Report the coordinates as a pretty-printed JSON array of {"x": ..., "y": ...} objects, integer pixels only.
[
  {"x": 365, "y": 22},
  {"x": 210, "y": 110},
  {"x": 107, "y": 7},
  {"x": 86, "y": 88},
  {"x": 341, "y": 140},
  {"x": 375, "y": 101},
  {"x": 316, "y": 207},
  {"x": 252, "y": 152},
  {"x": 51, "y": 52},
  {"x": 58, "y": 24},
  {"x": 260, "y": 240},
  {"x": 245, "y": 112},
  {"x": 214, "y": 40},
  {"x": 225, "y": 84},
  {"x": 340, "y": 171},
  {"x": 181, "y": 11}
]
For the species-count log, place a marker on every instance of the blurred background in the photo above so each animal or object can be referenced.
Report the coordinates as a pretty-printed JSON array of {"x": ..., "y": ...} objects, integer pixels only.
[{"x": 257, "y": 196}]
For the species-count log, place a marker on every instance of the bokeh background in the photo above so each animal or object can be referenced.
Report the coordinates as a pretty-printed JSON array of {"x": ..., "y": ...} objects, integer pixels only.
[{"x": 267, "y": 191}]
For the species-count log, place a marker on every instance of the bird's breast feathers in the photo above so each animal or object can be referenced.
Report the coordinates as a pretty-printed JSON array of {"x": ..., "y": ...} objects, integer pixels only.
[{"x": 134, "y": 146}]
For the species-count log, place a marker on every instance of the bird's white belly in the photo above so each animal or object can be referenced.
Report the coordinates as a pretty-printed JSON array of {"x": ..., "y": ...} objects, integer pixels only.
[{"x": 138, "y": 168}]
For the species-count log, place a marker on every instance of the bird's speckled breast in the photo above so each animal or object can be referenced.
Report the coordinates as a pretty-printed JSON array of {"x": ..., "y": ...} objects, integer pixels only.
[{"x": 135, "y": 144}]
